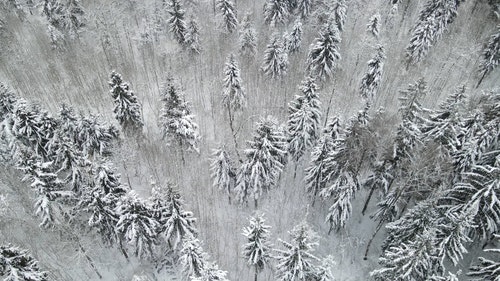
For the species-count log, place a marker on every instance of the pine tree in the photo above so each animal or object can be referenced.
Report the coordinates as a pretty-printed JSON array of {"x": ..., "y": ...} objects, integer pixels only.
[
  {"x": 257, "y": 249},
  {"x": 303, "y": 119},
  {"x": 211, "y": 272},
  {"x": 487, "y": 269},
  {"x": 176, "y": 21},
  {"x": 491, "y": 55},
  {"x": 304, "y": 8},
  {"x": 192, "y": 259},
  {"x": 265, "y": 159},
  {"x": 294, "y": 39},
  {"x": 248, "y": 38},
  {"x": 295, "y": 262},
  {"x": 69, "y": 162},
  {"x": 275, "y": 62},
  {"x": 193, "y": 36},
  {"x": 227, "y": 12},
  {"x": 339, "y": 11},
  {"x": 180, "y": 223},
  {"x": 233, "y": 96},
  {"x": 373, "y": 25},
  {"x": 7, "y": 102},
  {"x": 223, "y": 174},
  {"x": 127, "y": 108},
  {"x": 432, "y": 22},
  {"x": 371, "y": 80},
  {"x": 74, "y": 18},
  {"x": 94, "y": 137},
  {"x": 323, "y": 53},
  {"x": 176, "y": 120},
  {"x": 17, "y": 264},
  {"x": 319, "y": 168},
  {"x": 135, "y": 224},
  {"x": 276, "y": 12}
]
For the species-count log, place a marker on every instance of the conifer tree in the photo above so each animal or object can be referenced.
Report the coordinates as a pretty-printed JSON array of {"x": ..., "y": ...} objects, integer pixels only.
[
  {"x": 257, "y": 249},
  {"x": 275, "y": 62},
  {"x": 136, "y": 225},
  {"x": 317, "y": 173},
  {"x": 223, "y": 174},
  {"x": 276, "y": 12},
  {"x": 491, "y": 55},
  {"x": 295, "y": 262},
  {"x": 94, "y": 137},
  {"x": 265, "y": 159},
  {"x": 373, "y": 25},
  {"x": 294, "y": 39},
  {"x": 487, "y": 269},
  {"x": 248, "y": 38},
  {"x": 7, "y": 102},
  {"x": 371, "y": 80},
  {"x": 227, "y": 12},
  {"x": 177, "y": 21},
  {"x": 74, "y": 18},
  {"x": 193, "y": 36},
  {"x": 304, "y": 8},
  {"x": 17, "y": 264},
  {"x": 303, "y": 119},
  {"x": 233, "y": 96},
  {"x": 432, "y": 22},
  {"x": 176, "y": 120},
  {"x": 180, "y": 222},
  {"x": 339, "y": 11},
  {"x": 323, "y": 53},
  {"x": 192, "y": 259},
  {"x": 70, "y": 162},
  {"x": 211, "y": 273},
  {"x": 127, "y": 108}
]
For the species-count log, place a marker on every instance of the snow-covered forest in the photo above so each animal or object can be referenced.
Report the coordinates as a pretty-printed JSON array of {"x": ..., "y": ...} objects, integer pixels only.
[{"x": 250, "y": 140}]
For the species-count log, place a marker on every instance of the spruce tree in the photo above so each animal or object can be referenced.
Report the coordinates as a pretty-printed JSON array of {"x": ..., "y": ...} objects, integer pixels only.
[
  {"x": 339, "y": 11},
  {"x": 294, "y": 39},
  {"x": 74, "y": 18},
  {"x": 136, "y": 224},
  {"x": 248, "y": 38},
  {"x": 323, "y": 53},
  {"x": 176, "y": 120},
  {"x": 487, "y": 269},
  {"x": 304, "y": 8},
  {"x": 177, "y": 21},
  {"x": 371, "y": 80},
  {"x": 233, "y": 96},
  {"x": 373, "y": 25},
  {"x": 70, "y": 163},
  {"x": 180, "y": 223},
  {"x": 222, "y": 171},
  {"x": 265, "y": 159},
  {"x": 17, "y": 264},
  {"x": 491, "y": 55},
  {"x": 295, "y": 262},
  {"x": 94, "y": 137},
  {"x": 193, "y": 36},
  {"x": 276, "y": 12},
  {"x": 275, "y": 62},
  {"x": 227, "y": 13},
  {"x": 303, "y": 119},
  {"x": 192, "y": 259},
  {"x": 319, "y": 168},
  {"x": 257, "y": 249},
  {"x": 211, "y": 272},
  {"x": 432, "y": 22},
  {"x": 127, "y": 108}
]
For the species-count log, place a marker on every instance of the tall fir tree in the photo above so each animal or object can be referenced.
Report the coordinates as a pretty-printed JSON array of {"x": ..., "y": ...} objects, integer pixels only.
[
  {"x": 127, "y": 109},
  {"x": 176, "y": 21},
  {"x": 295, "y": 262},
  {"x": 491, "y": 55},
  {"x": 294, "y": 39},
  {"x": 339, "y": 13},
  {"x": 248, "y": 37},
  {"x": 180, "y": 222},
  {"x": 432, "y": 22},
  {"x": 276, "y": 12},
  {"x": 265, "y": 160},
  {"x": 233, "y": 96},
  {"x": 211, "y": 272},
  {"x": 303, "y": 119},
  {"x": 373, "y": 25},
  {"x": 323, "y": 53},
  {"x": 257, "y": 249},
  {"x": 176, "y": 121},
  {"x": 192, "y": 259},
  {"x": 227, "y": 13},
  {"x": 222, "y": 171},
  {"x": 17, "y": 264},
  {"x": 275, "y": 62},
  {"x": 372, "y": 78},
  {"x": 193, "y": 36},
  {"x": 304, "y": 8}
]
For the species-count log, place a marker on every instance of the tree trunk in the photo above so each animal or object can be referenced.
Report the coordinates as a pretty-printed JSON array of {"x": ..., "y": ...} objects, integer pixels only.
[
  {"x": 233, "y": 133},
  {"x": 379, "y": 226},
  {"x": 368, "y": 200},
  {"x": 256, "y": 273},
  {"x": 481, "y": 80}
]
